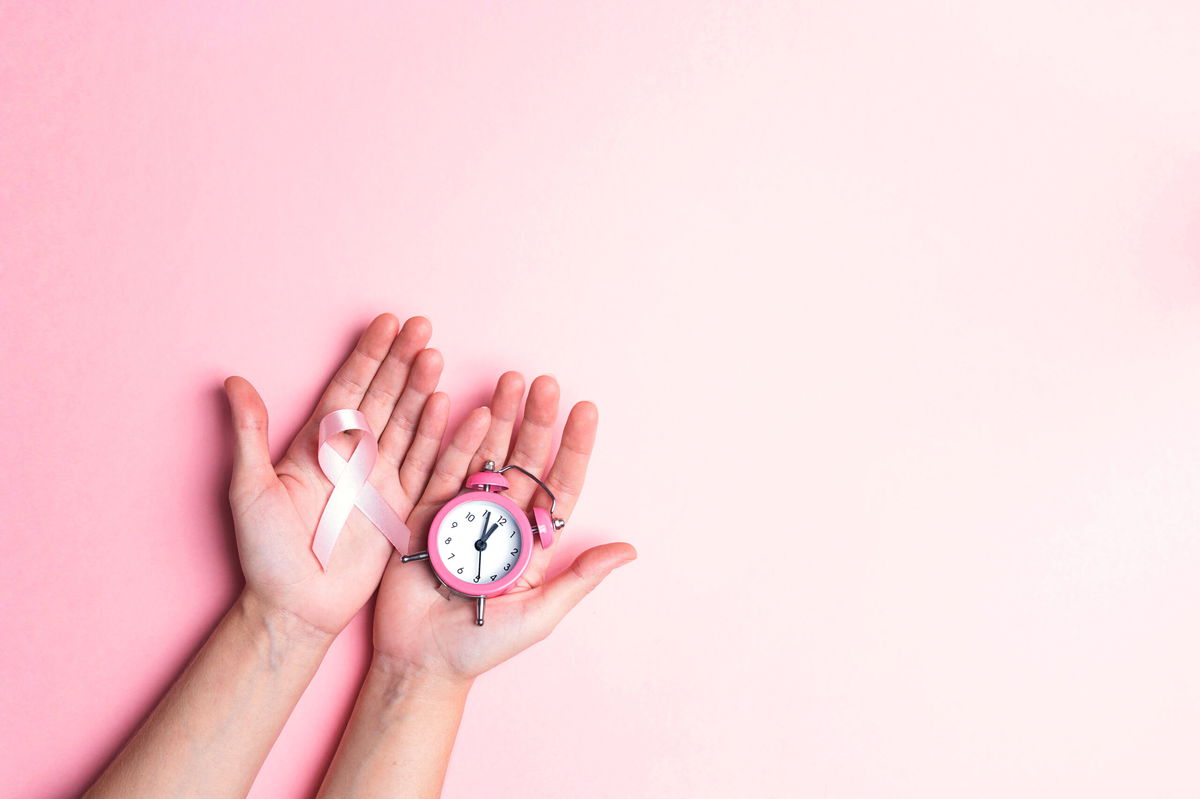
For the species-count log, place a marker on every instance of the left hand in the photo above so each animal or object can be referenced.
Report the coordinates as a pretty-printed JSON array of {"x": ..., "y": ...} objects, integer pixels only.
[{"x": 390, "y": 377}]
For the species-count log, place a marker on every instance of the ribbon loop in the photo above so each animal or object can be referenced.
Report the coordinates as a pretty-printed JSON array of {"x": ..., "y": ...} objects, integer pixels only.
[{"x": 350, "y": 486}]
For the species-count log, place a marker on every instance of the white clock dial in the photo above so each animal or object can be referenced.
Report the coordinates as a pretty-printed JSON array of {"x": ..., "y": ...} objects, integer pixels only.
[{"x": 479, "y": 541}]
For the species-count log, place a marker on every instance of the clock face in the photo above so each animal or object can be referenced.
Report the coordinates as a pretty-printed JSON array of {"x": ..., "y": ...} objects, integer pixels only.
[{"x": 479, "y": 542}]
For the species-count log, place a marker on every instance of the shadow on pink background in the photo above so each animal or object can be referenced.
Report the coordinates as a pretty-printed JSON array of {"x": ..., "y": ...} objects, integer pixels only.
[{"x": 892, "y": 313}]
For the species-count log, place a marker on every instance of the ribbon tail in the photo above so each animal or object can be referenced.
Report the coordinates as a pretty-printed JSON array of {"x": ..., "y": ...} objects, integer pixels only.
[
  {"x": 381, "y": 514},
  {"x": 333, "y": 519}
]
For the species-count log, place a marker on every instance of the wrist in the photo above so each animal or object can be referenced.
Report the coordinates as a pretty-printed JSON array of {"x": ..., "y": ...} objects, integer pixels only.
[
  {"x": 400, "y": 735},
  {"x": 400, "y": 680},
  {"x": 280, "y": 629}
]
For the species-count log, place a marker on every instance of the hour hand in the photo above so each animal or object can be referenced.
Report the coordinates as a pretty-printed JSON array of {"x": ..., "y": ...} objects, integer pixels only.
[{"x": 488, "y": 534}]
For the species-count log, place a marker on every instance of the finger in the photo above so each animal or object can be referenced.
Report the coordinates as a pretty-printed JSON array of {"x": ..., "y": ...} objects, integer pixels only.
[
  {"x": 391, "y": 378},
  {"x": 535, "y": 437},
  {"x": 566, "y": 477},
  {"x": 252, "y": 469},
  {"x": 554, "y": 600},
  {"x": 398, "y": 433},
  {"x": 449, "y": 472},
  {"x": 506, "y": 403},
  {"x": 352, "y": 378},
  {"x": 571, "y": 461},
  {"x": 422, "y": 453}
]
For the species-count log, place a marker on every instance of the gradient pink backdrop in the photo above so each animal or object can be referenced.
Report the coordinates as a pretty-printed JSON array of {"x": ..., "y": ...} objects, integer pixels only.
[{"x": 892, "y": 312}]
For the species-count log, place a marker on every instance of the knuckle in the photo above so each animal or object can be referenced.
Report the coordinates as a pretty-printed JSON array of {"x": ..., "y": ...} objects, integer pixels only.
[
  {"x": 566, "y": 486},
  {"x": 349, "y": 383},
  {"x": 383, "y": 396},
  {"x": 403, "y": 423}
]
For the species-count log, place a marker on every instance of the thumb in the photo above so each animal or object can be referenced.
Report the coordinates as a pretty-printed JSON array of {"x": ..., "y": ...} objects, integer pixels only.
[
  {"x": 566, "y": 590},
  {"x": 251, "y": 454}
]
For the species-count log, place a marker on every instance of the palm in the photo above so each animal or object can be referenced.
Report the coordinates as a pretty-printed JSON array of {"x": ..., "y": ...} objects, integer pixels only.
[
  {"x": 390, "y": 379},
  {"x": 417, "y": 621},
  {"x": 275, "y": 537}
]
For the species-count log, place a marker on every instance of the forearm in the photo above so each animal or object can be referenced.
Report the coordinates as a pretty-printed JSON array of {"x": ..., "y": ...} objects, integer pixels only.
[
  {"x": 210, "y": 734},
  {"x": 400, "y": 735}
]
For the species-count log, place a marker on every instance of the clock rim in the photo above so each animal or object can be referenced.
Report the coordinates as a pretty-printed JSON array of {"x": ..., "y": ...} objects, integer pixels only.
[{"x": 466, "y": 588}]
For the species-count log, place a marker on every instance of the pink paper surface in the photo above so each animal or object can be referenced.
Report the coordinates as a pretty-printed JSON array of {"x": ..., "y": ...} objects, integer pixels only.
[{"x": 891, "y": 311}]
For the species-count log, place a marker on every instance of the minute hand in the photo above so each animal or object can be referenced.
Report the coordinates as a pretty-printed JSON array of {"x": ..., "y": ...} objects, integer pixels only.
[{"x": 488, "y": 534}]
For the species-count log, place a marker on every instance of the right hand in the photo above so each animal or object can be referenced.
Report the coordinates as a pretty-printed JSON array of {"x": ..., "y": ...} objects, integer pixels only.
[{"x": 417, "y": 626}]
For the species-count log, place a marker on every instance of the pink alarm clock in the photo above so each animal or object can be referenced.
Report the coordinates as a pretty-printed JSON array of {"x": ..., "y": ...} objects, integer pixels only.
[{"x": 481, "y": 542}]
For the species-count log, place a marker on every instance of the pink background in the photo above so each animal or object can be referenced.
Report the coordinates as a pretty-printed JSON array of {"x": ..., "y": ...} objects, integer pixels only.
[{"x": 892, "y": 313}]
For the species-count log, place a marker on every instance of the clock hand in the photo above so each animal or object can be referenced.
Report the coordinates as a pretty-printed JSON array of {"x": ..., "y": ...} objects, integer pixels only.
[
  {"x": 488, "y": 534},
  {"x": 481, "y": 544}
]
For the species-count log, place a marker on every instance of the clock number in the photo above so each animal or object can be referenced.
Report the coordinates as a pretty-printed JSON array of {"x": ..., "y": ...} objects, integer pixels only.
[
  {"x": 503, "y": 521},
  {"x": 493, "y": 578},
  {"x": 460, "y": 568},
  {"x": 470, "y": 517},
  {"x": 447, "y": 539},
  {"x": 515, "y": 552},
  {"x": 507, "y": 566},
  {"x": 475, "y": 579},
  {"x": 454, "y": 524},
  {"x": 514, "y": 532},
  {"x": 451, "y": 555}
]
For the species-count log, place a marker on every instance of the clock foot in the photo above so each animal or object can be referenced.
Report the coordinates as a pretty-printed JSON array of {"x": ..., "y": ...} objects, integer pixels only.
[
  {"x": 417, "y": 556},
  {"x": 479, "y": 611}
]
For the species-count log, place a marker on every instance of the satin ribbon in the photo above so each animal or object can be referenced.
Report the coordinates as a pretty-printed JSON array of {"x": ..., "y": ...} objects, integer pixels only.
[{"x": 350, "y": 486}]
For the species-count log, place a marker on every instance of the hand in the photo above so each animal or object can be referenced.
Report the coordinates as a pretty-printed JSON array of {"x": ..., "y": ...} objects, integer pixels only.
[
  {"x": 390, "y": 377},
  {"x": 419, "y": 626}
]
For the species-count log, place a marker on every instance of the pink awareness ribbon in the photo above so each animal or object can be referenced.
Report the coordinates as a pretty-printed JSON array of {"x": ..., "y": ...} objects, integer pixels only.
[{"x": 350, "y": 486}]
